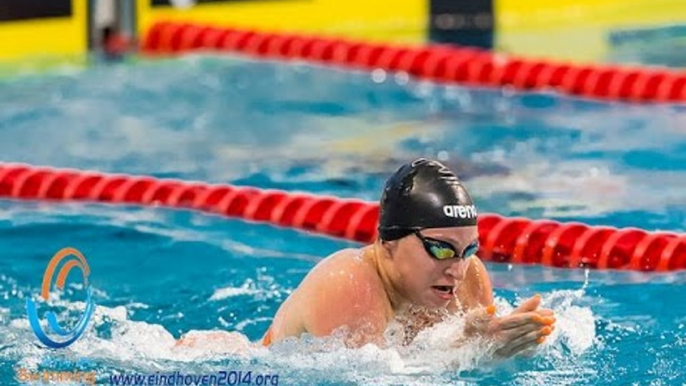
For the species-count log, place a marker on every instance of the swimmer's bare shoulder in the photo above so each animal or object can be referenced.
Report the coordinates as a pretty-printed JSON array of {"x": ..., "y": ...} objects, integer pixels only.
[{"x": 342, "y": 290}]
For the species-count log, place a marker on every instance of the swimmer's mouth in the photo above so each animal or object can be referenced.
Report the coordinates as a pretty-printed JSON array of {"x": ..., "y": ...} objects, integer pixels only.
[{"x": 446, "y": 289}]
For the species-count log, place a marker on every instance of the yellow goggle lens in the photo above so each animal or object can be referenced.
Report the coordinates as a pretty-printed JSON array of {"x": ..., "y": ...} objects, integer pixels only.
[{"x": 442, "y": 253}]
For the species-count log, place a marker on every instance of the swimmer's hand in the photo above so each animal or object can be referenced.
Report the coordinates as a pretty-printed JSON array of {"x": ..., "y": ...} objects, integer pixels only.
[
  {"x": 524, "y": 329},
  {"x": 520, "y": 332}
]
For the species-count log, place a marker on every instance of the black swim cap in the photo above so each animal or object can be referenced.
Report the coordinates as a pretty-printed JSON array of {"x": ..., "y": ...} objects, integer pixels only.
[{"x": 423, "y": 194}]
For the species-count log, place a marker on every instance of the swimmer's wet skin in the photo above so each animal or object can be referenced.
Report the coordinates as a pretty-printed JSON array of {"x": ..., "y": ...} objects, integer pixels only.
[{"x": 423, "y": 261}]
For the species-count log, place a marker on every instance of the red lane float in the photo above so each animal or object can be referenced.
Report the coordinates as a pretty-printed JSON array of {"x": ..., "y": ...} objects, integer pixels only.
[
  {"x": 513, "y": 240},
  {"x": 439, "y": 63}
]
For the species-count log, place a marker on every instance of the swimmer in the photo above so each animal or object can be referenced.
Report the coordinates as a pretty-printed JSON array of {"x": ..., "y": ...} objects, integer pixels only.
[{"x": 422, "y": 268}]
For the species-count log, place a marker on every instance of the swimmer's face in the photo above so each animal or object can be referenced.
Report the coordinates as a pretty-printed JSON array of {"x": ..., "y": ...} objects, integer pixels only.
[{"x": 424, "y": 280}]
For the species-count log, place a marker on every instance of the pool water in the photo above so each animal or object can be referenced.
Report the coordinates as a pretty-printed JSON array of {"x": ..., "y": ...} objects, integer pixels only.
[{"x": 158, "y": 273}]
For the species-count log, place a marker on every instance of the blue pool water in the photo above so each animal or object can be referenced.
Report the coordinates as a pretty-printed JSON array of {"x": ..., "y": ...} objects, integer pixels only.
[{"x": 158, "y": 273}]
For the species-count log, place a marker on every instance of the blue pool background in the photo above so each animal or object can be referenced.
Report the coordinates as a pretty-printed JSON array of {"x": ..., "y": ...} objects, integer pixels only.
[{"x": 158, "y": 273}]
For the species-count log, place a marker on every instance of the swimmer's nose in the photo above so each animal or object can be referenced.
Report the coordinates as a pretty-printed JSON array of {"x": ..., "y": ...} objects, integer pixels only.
[{"x": 457, "y": 269}]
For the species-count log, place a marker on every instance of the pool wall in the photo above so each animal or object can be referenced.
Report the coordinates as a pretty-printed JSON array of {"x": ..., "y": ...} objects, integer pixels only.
[{"x": 571, "y": 29}]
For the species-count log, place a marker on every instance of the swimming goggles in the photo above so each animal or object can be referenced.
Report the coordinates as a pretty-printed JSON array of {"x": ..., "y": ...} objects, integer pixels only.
[{"x": 441, "y": 250}]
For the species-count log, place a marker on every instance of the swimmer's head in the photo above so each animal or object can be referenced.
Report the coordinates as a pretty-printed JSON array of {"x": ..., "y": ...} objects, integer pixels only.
[
  {"x": 424, "y": 194},
  {"x": 428, "y": 230}
]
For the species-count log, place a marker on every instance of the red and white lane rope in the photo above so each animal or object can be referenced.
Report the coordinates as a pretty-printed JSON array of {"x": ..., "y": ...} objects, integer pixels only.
[
  {"x": 513, "y": 240},
  {"x": 439, "y": 63}
]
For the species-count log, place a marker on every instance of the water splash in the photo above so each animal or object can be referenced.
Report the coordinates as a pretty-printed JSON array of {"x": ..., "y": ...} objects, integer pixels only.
[{"x": 121, "y": 344}]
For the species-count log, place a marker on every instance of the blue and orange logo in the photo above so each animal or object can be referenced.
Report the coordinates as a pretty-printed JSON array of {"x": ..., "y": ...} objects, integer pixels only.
[{"x": 72, "y": 259}]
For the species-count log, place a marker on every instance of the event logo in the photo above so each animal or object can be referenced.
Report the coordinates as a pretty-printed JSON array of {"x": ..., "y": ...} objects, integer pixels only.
[{"x": 72, "y": 258}]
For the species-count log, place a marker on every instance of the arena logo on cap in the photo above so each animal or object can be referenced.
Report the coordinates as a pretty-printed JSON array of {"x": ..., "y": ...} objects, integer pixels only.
[
  {"x": 72, "y": 259},
  {"x": 460, "y": 211}
]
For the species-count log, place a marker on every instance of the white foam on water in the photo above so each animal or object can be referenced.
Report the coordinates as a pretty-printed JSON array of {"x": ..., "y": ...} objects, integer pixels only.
[
  {"x": 4, "y": 315},
  {"x": 229, "y": 292},
  {"x": 431, "y": 359},
  {"x": 262, "y": 288},
  {"x": 575, "y": 325}
]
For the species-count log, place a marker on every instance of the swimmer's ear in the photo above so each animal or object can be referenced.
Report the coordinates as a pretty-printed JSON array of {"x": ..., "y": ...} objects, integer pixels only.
[{"x": 388, "y": 246}]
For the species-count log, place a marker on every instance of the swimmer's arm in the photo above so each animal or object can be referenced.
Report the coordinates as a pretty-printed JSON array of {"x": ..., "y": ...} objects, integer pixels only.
[
  {"x": 474, "y": 296},
  {"x": 476, "y": 290},
  {"x": 217, "y": 341}
]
